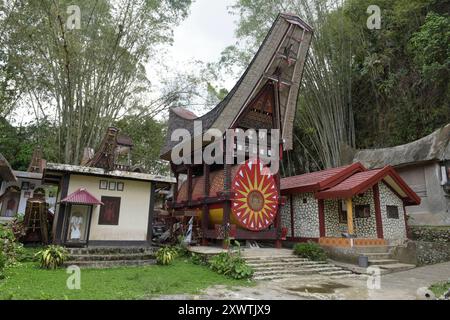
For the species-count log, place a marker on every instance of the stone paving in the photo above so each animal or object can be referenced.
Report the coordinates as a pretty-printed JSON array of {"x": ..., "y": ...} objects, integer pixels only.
[{"x": 395, "y": 286}]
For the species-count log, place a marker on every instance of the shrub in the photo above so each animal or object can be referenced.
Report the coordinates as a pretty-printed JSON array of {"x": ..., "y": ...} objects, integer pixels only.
[
  {"x": 17, "y": 227},
  {"x": 166, "y": 255},
  {"x": 199, "y": 259},
  {"x": 9, "y": 247},
  {"x": 2, "y": 265},
  {"x": 52, "y": 257},
  {"x": 310, "y": 251},
  {"x": 231, "y": 265}
]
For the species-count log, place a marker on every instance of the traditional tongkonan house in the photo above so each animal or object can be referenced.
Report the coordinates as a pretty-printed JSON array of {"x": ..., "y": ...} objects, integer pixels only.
[
  {"x": 347, "y": 206},
  {"x": 102, "y": 202},
  {"x": 236, "y": 199}
]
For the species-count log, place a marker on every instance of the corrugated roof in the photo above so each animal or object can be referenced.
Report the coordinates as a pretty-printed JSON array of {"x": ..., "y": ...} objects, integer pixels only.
[
  {"x": 81, "y": 196},
  {"x": 360, "y": 182},
  {"x": 314, "y": 181},
  {"x": 57, "y": 167}
]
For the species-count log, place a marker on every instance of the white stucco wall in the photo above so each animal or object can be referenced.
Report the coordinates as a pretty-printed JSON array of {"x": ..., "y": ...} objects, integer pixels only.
[{"x": 134, "y": 208}]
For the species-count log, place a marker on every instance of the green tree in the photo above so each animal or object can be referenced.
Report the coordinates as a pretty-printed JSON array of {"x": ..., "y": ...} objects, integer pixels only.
[
  {"x": 85, "y": 78},
  {"x": 148, "y": 138}
]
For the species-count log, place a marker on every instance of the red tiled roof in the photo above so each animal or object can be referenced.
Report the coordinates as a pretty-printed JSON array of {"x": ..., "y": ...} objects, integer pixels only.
[
  {"x": 82, "y": 196},
  {"x": 362, "y": 181},
  {"x": 315, "y": 181}
]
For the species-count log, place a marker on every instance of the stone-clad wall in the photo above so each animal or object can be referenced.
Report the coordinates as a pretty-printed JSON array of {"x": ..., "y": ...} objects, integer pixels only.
[
  {"x": 286, "y": 216},
  {"x": 306, "y": 216},
  {"x": 364, "y": 227},
  {"x": 332, "y": 226},
  {"x": 393, "y": 229}
]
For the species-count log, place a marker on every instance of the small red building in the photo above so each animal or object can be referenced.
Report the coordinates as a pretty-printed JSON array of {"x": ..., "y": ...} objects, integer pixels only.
[{"x": 345, "y": 206}]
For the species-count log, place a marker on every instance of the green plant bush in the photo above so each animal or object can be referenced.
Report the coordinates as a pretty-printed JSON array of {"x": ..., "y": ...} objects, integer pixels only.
[
  {"x": 230, "y": 264},
  {"x": 199, "y": 259},
  {"x": 52, "y": 257},
  {"x": 166, "y": 255},
  {"x": 2, "y": 265},
  {"x": 310, "y": 250},
  {"x": 9, "y": 246}
]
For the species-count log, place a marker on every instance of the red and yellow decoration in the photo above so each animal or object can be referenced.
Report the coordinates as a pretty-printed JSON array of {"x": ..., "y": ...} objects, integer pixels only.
[{"x": 255, "y": 196}]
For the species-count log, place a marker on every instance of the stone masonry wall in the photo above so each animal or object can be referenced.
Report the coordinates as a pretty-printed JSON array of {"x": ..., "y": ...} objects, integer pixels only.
[
  {"x": 306, "y": 216},
  {"x": 393, "y": 229},
  {"x": 286, "y": 216},
  {"x": 364, "y": 227}
]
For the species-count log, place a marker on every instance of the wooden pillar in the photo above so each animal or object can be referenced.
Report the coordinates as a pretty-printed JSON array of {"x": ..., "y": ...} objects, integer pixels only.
[
  {"x": 189, "y": 179},
  {"x": 350, "y": 216},
  {"x": 227, "y": 202},
  {"x": 175, "y": 191},
  {"x": 205, "y": 212},
  {"x": 291, "y": 202},
  {"x": 405, "y": 217},
  {"x": 378, "y": 219}
]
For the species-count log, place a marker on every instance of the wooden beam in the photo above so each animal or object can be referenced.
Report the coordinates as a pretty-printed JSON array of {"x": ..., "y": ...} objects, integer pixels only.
[
  {"x": 350, "y": 216},
  {"x": 205, "y": 212},
  {"x": 292, "y": 216},
  {"x": 378, "y": 219},
  {"x": 189, "y": 181}
]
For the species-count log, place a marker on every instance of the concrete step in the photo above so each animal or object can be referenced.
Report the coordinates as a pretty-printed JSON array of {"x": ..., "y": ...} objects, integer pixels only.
[
  {"x": 376, "y": 255},
  {"x": 382, "y": 261},
  {"x": 111, "y": 257},
  {"x": 300, "y": 271},
  {"x": 373, "y": 249},
  {"x": 284, "y": 258},
  {"x": 335, "y": 272},
  {"x": 109, "y": 264},
  {"x": 395, "y": 267},
  {"x": 281, "y": 266},
  {"x": 281, "y": 263},
  {"x": 110, "y": 250},
  {"x": 305, "y": 267}
]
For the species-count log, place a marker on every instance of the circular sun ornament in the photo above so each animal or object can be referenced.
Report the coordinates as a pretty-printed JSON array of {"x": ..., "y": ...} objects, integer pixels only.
[{"x": 255, "y": 196}]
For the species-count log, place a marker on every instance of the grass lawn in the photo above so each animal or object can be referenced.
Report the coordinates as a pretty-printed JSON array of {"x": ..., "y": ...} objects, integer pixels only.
[
  {"x": 27, "y": 281},
  {"x": 440, "y": 288}
]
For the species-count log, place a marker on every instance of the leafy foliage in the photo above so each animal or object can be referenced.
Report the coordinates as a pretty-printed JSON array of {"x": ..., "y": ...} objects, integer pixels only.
[
  {"x": 231, "y": 265},
  {"x": 148, "y": 137},
  {"x": 83, "y": 78},
  {"x": 199, "y": 259},
  {"x": 166, "y": 255},
  {"x": 52, "y": 257},
  {"x": 9, "y": 246},
  {"x": 310, "y": 251}
]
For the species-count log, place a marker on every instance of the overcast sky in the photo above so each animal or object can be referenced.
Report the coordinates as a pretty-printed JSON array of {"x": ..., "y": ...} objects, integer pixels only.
[{"x": 208, "y": 29}]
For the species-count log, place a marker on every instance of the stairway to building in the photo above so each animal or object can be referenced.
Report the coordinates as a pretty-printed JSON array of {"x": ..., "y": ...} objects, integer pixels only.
[
  {"x": 268, "y": 267},
  {"x": 106, "y": 257},
  {"x": 380, "y": 257}
]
